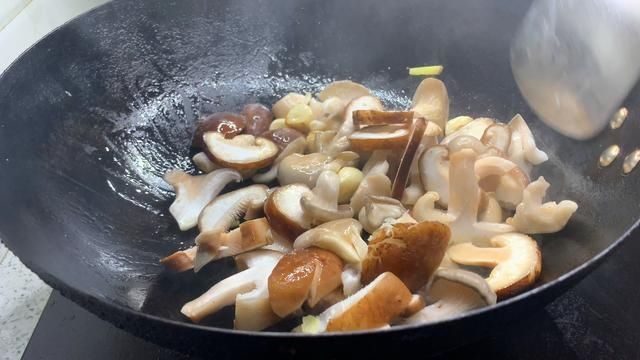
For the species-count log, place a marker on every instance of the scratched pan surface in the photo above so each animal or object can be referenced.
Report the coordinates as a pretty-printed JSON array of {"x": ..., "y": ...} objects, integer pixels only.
[{"x": 94, "y": 114}]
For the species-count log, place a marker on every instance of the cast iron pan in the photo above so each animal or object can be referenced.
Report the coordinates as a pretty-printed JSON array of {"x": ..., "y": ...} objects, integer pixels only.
[{"x": 94, "y": 114}]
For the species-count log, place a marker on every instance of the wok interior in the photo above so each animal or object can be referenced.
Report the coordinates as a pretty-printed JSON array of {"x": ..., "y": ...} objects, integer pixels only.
[{"x": 96, "y": 113}]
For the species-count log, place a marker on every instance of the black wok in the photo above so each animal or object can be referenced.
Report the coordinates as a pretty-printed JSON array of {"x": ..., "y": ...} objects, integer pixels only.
[{"x": 94, "y": 114}]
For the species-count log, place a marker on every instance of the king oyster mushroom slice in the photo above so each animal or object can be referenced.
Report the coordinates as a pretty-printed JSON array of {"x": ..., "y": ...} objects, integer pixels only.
[
  {"x": 321, "y": 204},
  {"x": 304, "y": 275},
  {"x": 377, "y": 210},
  {"x": 410, "y": 251},
  {"x": 431, "y": 101},
  {"x": 515, "y": 259},
  {"x": 434, "y": 171},
  {"x": 242, "y": 152},
  {"x": 374, "y": 306},
  {"x": 193, "y": 193},
  {"x": 297, "y": 146},
  {"x": 203, "y": 163},
  {"x": 225, "y": 292},
  {"x": 462, "y": 214},
  {"x": 502, "y": 177},
  {"x": 225, "y": 210},
  {"x": 342, "y": 237},
  {"x": 476, "y": 129},
  {"x": 214, "y": 245},
  {"x": 534, "y": 217},
  {"x": 181, "y": 260},
  {"x": 278, "y": 243},
  {"x": 305, "y": 169},
  {"x": 377, "y": 163},
  {"x": 340, "y": 142},
  {"x": 453, "y": 292},
  {"x": 522, "y": 148}
]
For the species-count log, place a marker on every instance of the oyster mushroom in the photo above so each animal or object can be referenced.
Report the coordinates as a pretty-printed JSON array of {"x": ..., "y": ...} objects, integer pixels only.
[
  {"x": 502, "y": 177},
  {"x": 345, "y": 90},
  {"x": 434, "y": 172},
  {"x": 534, "y": 217},
  {"x": 303, "y": 275},
  {"x": 256, "y": 257},
  {"x": 321, "y": 204},
  {"x": 284, "y": 211},
  {"x": 281, "y": 108},
  {"x": 193, "y": 193},
  {"x": 453, "y": 292},
  {"x": 374, "y": 306},
  {"x": 410, "y": 251},
  {"x": 431, "y": 102},
  {"x": 203, "y": 163},
  {"x": 297, "y": 146},
  {"x": 305, "y": 169},
  {"x": 469, "y": 142},
  {"x": 214, "y": 245},
  {"x": 497, "y": 135},
  {"x": 221, "y": 213},
  {"x": 243, "y": 152},
  {"x": 318, "y": 141},
  {"x": 515, "y": 259},
  {"x": 476, "y": 129},
  {"x": 489, "y": 209},
  {"x": 181, "y": 260},
  {"x": 341, "y": 140},
  {"x": 342, "y": 237},
  {"x": 522, "y": 148},
  {"x": 377, "y": 163},
  {"x": 377, "y": 210},
  {"x": 225, "y": 292},
  {"x": 375, "y": 184}
]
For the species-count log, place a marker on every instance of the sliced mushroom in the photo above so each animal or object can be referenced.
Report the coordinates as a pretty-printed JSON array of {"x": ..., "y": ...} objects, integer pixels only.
[
  {"x": 228, "y": 124},
  {"x": 318, "y": 141},
  {"x": 364, "y": 118},
  {"x": 203, "y": 163},
  {"x": 425, "y": 209},
  {"x": 522, "y": 148},
  {"x": 305, "y": 169},
  {"x": 281, "y": 108},
  {"x": 284, "y": 212},
  {"x": 406, "y": 160},
  {"x": 456, "y": 124},
  {"x": 341, "y": 140},
  {"x": 193, "y": 193},
  {"x": 303, "y": 275},
  {"x": 502, "y": 177},
  {"x": 534, "y": 217},
  {"x": 377, "y": 137},
  {"x": 453, "y": 292},
  {"x": 476, "y": 128},
  {"x": 350, "y": 179},
  {"x": 497, "y": 135},
  {"x": 256, "y": 257},
  {"x": 243, "y": 152},
  {"x": 372, "y": 185},
  {"x": 278, "y": 243},
  {"x": 282, "y": 137},
  {"x": 410, "y": 251},
  {"x": 431, "y": 101},
  {"x": 434, "y": 171},
  {"x": 515, "y": 259},
  {"x": 345, "y": 90},
  {"x": 374, "y": 306},
  {"x": 489, "y": 209},
  {"x": 321, "y": 204},
  {"x": 377, "y": 210},
  {"x": 342, "y": 237},
  {"x": 297, "y": 146},
  {"x": 224, "y": 293},
  {"x": 221, "y": 213},
  {"x": 258, "y": 117},
  {"x": 377, "y": 163},
  {"x": 181, "y": 260},
  {"x": 351, "y": 279},
  {"x": 253, "y": 310},
  {"x": 469, "y": 142}
]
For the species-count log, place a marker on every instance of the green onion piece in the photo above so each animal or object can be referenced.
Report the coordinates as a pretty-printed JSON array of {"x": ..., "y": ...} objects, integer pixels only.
[{"x": 426, "y": 70}]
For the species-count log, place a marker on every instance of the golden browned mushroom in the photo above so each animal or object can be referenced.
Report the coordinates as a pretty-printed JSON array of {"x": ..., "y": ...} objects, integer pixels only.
[{"x": 515, "y": 259}]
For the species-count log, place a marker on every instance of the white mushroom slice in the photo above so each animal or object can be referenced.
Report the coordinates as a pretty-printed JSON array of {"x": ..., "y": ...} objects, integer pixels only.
[
  {"x": 497, "y": 135},
  {"x": 181, "y": 260},
  {"x": 515, "y": 259},
  {"x": 256, "y": 257},
  {"x": 373, "y": 306},
  {"x": 225, "y": 292},
  {"x": 425, "y": 209},
  {"x": 351, "y": 280},
  {"x": 305, "y": 169},
  {"x": 203, "y": 163},
  {"x": 278, "y": 243},
  {"x": 214, "y": 245},
  {"x": 340, "y": 141},
  {"x": 431, "y": 102},
  {"x": 469, "y": 142},
  {"x": 242, "y": 152},
  {"x": 377, "y": 210},
  {"x": 502, "y": 177},
  {"x": 456, "y": 124},
  {"x": 476, "y": 128},
  {"x": 297, "y": 146},
  {"x": 253, "y": 311},
  {"x": 372, "y": 185},
  {"x": 434, "y": 170},
  {"x": 281, "y": 108},
  {"x": 342, "y": 237},
  {"x": 489, "y": 209},
  {"x": 285, "y": 214},
  {"x": 318, "y": 141},
  {"x": 377, "y": 163},
  {"x": 534, "y": 217},
  {"x": 522, "y": 148},
  {"x": 453, "y": 292},
  {"x": 193, "y": 193},
  {"x": 378, "y": 137},
  {"x": 345, "y": 90},
  {"x": 321, "y": 204},
  {"x": 225, "y": 210}
]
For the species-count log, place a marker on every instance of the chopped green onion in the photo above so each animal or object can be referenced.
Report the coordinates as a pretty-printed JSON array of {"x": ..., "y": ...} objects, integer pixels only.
[{"x": 426, "y": 70}]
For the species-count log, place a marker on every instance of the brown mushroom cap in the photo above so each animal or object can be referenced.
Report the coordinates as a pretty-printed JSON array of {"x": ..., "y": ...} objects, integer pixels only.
[
  {"x": 243, "y": 152},
  {"x": 228, "y": 124},
  {"x": 284, "y": 212},
  {"x": 410, "y": 251},
  {"x": 258, "y": 118}
]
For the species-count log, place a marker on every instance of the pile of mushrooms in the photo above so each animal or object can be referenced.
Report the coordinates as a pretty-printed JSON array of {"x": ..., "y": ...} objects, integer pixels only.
[{"x": 357, "y": 217}]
